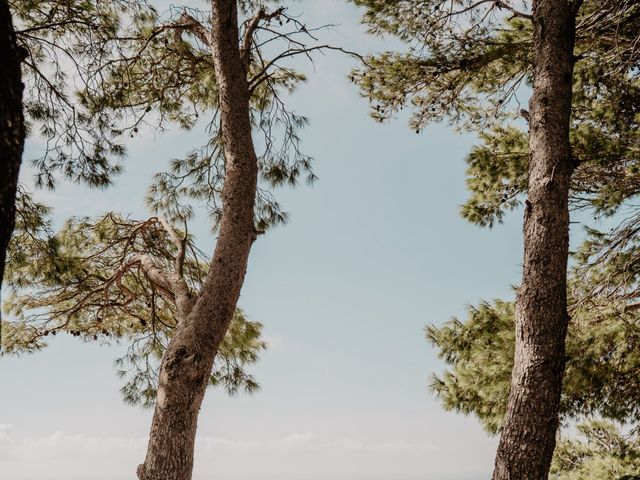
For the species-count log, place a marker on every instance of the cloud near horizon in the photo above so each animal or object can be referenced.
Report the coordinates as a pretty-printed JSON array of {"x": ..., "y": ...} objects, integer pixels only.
[{"x": 65, "y": 455}]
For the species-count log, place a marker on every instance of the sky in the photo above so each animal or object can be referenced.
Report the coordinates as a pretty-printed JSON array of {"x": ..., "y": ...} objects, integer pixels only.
[{"x": 374, "y": 252}]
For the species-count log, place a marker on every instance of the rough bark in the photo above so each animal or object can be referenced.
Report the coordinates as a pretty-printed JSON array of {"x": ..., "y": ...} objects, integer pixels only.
[
  {"x": 11, "y": 128},
  {"x": 528, "y": 435},
  {"x": 188, "y": 360}
]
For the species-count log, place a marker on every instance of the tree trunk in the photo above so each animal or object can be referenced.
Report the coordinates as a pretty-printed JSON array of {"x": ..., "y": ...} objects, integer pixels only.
[
  {"x": 528, "y": 435},
  {"x": 11, "y": 128},
  {"x": 188, "y": 360}
]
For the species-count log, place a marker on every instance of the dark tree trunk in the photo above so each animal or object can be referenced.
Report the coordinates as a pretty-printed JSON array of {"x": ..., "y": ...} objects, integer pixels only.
[
  {"x": 528, "y": 435},
  {"x": 11, "y": 128},
  {"x": 188, "y": 360}
]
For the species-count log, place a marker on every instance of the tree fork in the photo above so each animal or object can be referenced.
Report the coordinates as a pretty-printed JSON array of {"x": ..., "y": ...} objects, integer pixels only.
[
  {"x": 528, "y": 434},
  {"x": 188, "y": 360}
]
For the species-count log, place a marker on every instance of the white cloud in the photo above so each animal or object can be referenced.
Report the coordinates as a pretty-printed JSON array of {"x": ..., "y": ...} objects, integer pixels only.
[{"x": 70, "y": 456}]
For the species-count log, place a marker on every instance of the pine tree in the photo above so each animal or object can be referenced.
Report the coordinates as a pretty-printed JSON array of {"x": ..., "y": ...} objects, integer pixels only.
[
  {"x": 11, "y": 128},
  {"x": 49, "y": 36},
  {"x": 190, "y": 354},
  {"x": 470, "y": 62},
  {"x": 65, "y": 44},
  {"x": 605, "y": 454},
  {"x": 602, "y": 374},
  {"x": 174, "y": 68},
  {"x": 113, "y": 278}
]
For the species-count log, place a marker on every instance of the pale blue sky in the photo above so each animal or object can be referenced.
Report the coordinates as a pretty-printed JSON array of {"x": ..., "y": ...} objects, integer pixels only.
[{"x": 374, "y": 251}]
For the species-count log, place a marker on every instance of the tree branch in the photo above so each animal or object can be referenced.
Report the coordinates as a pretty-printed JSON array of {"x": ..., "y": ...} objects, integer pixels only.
[
  {"x": 154, "y": 274},
  {"x": 178, "y": 284},
  {"x": 192, "y": 25},
  {"x": 252, "y": 25},
  {"x": 179, "y": 242},
  {"x": 502, "y": 5},
  {"x": 261, "y": 76}
]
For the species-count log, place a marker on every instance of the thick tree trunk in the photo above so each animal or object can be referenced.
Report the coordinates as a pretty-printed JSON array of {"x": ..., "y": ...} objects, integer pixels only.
[
  {"x": 11, "y": 128},
  {"x": 188, "y": 360},
  {"x": 529, "y": 431}
]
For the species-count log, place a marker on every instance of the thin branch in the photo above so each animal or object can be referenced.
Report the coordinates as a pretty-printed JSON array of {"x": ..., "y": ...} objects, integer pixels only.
[
  {"x": 178, "y": 241},
  {"x": 191, "y": 24},
  {"x": 252, "y": 25},
  {"x": 502, "y": 5},
  {"x": 263, "y": 74}
]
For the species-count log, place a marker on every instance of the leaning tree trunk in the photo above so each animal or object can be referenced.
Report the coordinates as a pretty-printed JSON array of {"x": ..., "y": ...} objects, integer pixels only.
[
  {"x": 187, "y": 362},
  {"x": 11, "y": 128},
  {"x": 528, "y": 435}
]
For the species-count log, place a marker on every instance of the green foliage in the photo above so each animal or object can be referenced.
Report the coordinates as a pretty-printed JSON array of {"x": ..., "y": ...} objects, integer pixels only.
[
  {"x": 496, "y": 175},
  {"x": 480, "y": 353},
  {"x": 604, "y": 454},
  {"x": 461, "y": 64},
  {"x": 602, "y": 379},
  {"x": 605, "y": 276},
  {"x": 605, "y": 140},
  {"x": 471, "y": 63},
  {"x": 602, "y": 374},
  {"x": 239, "y": 349},
  {"x": 165, "y": 75},
  {"x": 603, "y": 345},
  {"x": 97, "y": 73},
  {"x": 64, "y": 42},
  {"x": 109, "y": 280},
  {"x": 32, "y": 241}
]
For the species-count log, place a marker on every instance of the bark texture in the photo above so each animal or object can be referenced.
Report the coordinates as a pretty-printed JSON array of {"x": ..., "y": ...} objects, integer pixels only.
[
  {"x": 528, "y": 435},
  {"x": 188, "y": 360},
  {"x": 11, "y": 128}
]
